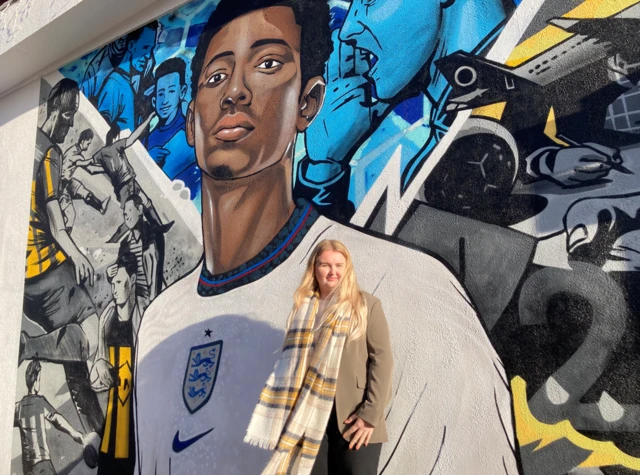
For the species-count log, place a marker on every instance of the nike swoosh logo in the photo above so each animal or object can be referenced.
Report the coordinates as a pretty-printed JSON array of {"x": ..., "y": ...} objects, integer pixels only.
[{"x": 180, "y": 445}]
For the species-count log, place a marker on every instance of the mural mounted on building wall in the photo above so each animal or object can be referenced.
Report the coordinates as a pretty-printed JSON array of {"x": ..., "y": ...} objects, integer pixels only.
[{"x": 484, "y": 178}]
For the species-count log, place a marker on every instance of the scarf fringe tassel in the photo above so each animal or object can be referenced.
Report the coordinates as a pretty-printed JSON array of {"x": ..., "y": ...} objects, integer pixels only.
[{"x": 264, "y": 444}]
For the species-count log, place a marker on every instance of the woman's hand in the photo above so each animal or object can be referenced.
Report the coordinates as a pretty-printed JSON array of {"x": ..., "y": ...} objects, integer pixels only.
[{"x": 360, "y": 432}]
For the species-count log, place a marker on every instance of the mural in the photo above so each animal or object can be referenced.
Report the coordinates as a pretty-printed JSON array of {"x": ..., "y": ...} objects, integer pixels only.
[{"x": 478, "y": 158}]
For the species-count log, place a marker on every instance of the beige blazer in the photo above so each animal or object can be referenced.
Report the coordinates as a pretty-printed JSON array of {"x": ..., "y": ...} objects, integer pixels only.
[{"x": 365, "y": 375}]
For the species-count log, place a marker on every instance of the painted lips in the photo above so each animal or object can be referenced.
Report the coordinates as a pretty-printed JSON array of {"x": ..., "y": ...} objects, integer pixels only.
[{"x": 232, "y": 128}]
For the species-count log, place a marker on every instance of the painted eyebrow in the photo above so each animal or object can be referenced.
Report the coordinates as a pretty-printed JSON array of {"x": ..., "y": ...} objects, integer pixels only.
[
  {"x": 217, "y": 57},
  {"x": 257, "y": 44},
  {"x": 270, "y": 41}
]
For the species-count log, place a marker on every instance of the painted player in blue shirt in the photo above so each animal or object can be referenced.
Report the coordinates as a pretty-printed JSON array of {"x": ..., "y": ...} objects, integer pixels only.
[
  {"x": 167, "y": 142},
  {"x": 117, "y": 97}
]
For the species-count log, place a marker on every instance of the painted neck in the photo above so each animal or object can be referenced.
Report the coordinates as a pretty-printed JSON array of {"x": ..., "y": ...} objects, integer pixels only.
[
  {"x": 125, "y": 311},
  {"x": 465, "y": 25},
  {"x": 241, "y": 216},
  {"x": 125, "y": 65}
]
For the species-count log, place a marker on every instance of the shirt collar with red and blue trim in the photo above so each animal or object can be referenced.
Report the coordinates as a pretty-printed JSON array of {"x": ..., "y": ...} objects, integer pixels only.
[{"x": 273, "y": 254}]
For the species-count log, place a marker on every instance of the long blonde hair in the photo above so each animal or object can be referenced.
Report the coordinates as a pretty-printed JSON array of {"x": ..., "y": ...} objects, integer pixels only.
[{"x": 346, "y": 298}]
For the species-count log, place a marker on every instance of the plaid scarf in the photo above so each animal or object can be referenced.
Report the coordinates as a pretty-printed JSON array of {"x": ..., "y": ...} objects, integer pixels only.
[{"x": 295, "y": 404}]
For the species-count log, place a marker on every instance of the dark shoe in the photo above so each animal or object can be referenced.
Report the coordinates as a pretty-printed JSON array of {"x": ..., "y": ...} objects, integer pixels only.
[{"x": 105, "y": 203}]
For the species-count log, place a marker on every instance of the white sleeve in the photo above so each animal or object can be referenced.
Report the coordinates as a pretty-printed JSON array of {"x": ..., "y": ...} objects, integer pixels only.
[{"x": 452, "y": 411}]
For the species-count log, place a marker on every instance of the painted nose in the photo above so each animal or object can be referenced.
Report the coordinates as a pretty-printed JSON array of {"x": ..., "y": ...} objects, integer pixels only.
[
  {"x": 237, "y": 93},
  {"x": 352, "y": 26}
]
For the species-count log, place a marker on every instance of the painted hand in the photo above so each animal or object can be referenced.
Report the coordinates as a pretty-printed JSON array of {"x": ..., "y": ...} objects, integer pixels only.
[
  {"x": 347, "y": 111},
  {"x": 83, "y": 269},
  {"x": 112, "y": 270},
  {"x": 575, "y": 166},
  {"x": 159, "y": 155},
  {"x": 595, "y": 228},
  {"x": 359, "y": 433},
  {"x": 104, "y": 369}
]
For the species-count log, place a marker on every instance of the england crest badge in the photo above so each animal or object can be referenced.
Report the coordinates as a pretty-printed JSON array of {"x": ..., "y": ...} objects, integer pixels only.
[{"x": 200, "y": 375}]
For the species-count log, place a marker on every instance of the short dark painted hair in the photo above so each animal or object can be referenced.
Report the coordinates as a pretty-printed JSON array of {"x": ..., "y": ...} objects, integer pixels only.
[
  {"x": 31, "y": 375},
  {"x": 86, "y": 134},
  {"x": 172, "y": 65},
  {"x": 129, "y": 262},
  {"x": 136, "y": 34},
  {"x": 311, "y": 15},
  {"x": 135, "y": 198},
  {"x": 62, "y": 95},
  {"x": 112, "y": 134}
]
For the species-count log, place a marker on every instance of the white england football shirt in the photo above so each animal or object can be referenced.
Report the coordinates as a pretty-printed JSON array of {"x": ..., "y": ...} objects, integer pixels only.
[{"x": 451, "y": 408}]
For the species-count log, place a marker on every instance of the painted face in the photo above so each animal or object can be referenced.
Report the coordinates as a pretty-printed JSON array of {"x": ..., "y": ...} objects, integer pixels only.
[
  {"x": 36, "y": 384},
  {"x": 85, "y": 144},
  {"x": 142, "y": 48},
  {"x": 64, "y": 121},
  {"x": 122, "y": 286},
  {"x": 400, "y": 36},
  {"x": 329, "y": 269},
  {"x": 243, "y": 118},
  {"x": 132, "y": 214},
  {"x": 169, "y": 93}
]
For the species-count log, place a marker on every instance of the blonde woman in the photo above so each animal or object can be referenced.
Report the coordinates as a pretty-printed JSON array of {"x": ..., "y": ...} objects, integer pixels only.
[{"x": 322, "y": 407}]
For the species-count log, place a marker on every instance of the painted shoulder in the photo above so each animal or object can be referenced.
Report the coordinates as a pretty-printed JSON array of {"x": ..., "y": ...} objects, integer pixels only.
[
  {"x": 381, "y": 257},
  {"x": 179, "y": 295}
]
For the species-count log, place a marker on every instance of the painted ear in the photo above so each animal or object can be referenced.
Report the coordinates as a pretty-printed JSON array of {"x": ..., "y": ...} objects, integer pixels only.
[
  {"x": 183, "y": 92},
  {"x": 153, "y": 102},
  {"x": 191, "y": 126},
  {"x": 310, "y": 102}
]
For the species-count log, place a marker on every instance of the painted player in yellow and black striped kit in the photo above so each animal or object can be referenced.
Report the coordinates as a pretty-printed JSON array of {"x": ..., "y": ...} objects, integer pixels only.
[
  {"x": 114, "y": 366},
  {"x": 56, "y": 271}
]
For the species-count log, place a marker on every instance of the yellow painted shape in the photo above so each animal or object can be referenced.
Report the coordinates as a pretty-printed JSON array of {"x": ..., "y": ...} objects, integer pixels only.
[
  {"x": 492, "y": 111},
  {"x": 104, "y": 447},
  {"x": 552, "y": 35},
  {"x": 550, "y": 129},
  {"x": 35, "y": 264},
  {"x": 32, "y": 266},
  {"x": 123, "y": 424},
  {"x": 530, "y": 430},
  {"x": 47, "y": 172}
]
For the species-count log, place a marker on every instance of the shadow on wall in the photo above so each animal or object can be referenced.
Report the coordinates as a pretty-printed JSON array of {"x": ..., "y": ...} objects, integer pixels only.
[{"x": 210, "y": 410}]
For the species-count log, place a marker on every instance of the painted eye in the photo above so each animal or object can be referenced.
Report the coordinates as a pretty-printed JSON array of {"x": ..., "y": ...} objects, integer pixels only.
[
  {"x": 216, "y": 78},
  {"x": 269, "y": 64}
]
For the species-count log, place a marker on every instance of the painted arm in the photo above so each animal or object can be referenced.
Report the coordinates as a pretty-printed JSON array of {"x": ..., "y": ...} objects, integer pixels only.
[
  {"x": 94, "y": 169},
  {"x": 83, "y": 162},
  {"x": 466, "y": 400},
  {"x": 83, "y": 269},
  {"x": 568, "y": 167},
  {"x": 451, "y": 411},
  {"x": 137, "y": 133},
  {"x": 60, "y": 423},
  {"x": 101, "y": 378},
  {"x": 346, "y": 117},
  {"x": 150, "y": 265},
  {"x": 105, "y": 323}
]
